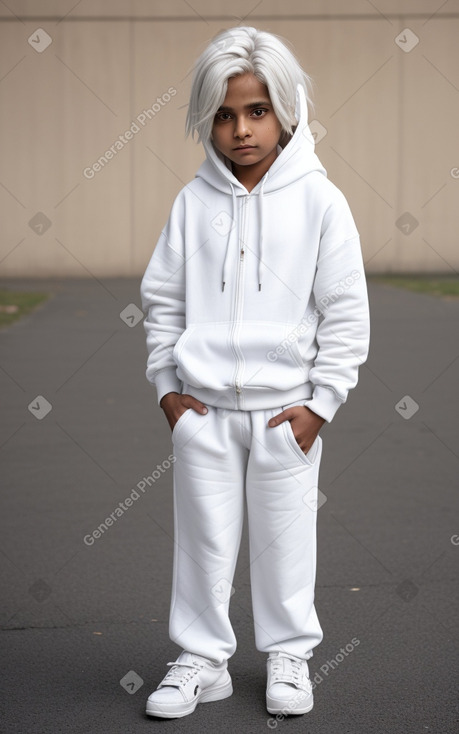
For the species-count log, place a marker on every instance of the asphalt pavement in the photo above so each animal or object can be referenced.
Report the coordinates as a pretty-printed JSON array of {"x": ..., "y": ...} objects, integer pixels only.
[{"x": 85, "y": 602}]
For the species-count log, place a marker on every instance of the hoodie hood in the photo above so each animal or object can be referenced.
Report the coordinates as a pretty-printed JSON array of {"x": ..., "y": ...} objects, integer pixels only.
[{"x": 296, "y": 160}]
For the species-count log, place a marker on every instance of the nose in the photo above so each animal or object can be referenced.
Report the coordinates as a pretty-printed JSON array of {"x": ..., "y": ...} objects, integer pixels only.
[{"x": 242, "y": 128}]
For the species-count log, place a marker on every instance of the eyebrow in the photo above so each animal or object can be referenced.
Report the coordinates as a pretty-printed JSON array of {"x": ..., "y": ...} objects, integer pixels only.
[{"x": 250, "y": 106}]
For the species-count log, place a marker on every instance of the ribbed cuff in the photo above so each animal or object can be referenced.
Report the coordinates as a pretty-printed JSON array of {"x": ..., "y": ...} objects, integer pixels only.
[
  {"x": 167, "y": 381},
  {"x": 324, "y": 402}
]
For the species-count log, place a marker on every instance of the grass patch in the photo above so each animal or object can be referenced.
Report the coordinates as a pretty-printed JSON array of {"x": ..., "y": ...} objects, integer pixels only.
[
  {"x": 15, "y": 304},
  {"x": 444, "y": 286}
]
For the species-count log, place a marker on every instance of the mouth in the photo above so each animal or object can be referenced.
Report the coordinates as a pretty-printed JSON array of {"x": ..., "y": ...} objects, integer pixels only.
[{"x": 244, "y": 147}]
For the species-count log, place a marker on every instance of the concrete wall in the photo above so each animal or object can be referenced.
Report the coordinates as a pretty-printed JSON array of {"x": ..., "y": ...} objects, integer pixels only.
[{"x": 390, "y": 111}]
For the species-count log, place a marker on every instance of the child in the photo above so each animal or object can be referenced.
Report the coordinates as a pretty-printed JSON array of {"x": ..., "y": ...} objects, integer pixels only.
[{"x": 257, "y": 321}]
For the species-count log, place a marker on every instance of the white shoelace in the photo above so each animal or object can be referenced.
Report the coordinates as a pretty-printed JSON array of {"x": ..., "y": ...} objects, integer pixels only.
[
  {"x": 286, "y": 670},
  {"x": 181, "y": 673}
]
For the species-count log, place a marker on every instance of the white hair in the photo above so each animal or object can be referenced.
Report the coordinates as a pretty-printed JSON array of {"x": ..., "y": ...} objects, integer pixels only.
[{"x": 242, "y": 50}]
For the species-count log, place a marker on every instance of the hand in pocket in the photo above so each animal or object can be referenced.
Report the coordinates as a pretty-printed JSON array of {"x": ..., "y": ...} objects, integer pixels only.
[
  {"x": 305, "y": 424},
  {"x": 174, "y": 405}
]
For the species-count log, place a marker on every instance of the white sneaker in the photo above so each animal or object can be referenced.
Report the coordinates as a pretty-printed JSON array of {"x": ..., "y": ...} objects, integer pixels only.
[
  {"x": 192, "y": 679},
  {"x": 289, "y": 690}
]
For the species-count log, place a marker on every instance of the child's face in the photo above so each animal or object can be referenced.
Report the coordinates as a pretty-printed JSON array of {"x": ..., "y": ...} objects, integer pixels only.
[{"x": 245, "y": 128}]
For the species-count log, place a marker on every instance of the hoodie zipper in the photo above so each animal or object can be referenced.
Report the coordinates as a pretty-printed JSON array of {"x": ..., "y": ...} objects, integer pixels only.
[{"x": 239, "y": 299}]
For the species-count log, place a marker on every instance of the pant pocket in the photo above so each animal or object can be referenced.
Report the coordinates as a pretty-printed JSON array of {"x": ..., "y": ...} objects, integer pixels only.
[
  {"x": 310, "y": 457},
  {"x": 177, "y": 429}
]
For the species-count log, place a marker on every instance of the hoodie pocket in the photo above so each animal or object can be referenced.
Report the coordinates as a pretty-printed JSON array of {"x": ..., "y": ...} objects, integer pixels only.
[
  {"x": 256, "y": 354},
  {"x": 204, "y": 357},
  {"x": 181, "y": 343}
]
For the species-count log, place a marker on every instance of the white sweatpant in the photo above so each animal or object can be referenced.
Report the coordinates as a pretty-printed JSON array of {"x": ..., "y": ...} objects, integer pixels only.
[{"x": 221, "y": 458}]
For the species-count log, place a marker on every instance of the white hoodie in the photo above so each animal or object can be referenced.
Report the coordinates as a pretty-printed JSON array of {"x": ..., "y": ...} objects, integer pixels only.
[{"x": 258, "y": 300}]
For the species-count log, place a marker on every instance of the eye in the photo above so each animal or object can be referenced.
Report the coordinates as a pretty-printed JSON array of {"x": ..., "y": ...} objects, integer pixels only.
[
  {"x": 223, "y": 116},
  {"x": 259, "y": 112}
]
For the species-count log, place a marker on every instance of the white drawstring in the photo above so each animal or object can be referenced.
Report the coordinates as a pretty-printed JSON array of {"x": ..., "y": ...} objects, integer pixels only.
[
  {"x": 261, "y": 242},
  {"x": 233, "y": 213},
  {"x": 260, "y": 246}
]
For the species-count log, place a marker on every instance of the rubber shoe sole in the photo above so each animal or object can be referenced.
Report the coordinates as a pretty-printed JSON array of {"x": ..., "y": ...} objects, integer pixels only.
[
  {"x": 177, "y": 710},
  {"x": 288, "y": 708}
]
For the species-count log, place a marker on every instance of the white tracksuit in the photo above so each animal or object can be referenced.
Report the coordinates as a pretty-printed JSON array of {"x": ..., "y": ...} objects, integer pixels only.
[{"x": 254, "y": 301}]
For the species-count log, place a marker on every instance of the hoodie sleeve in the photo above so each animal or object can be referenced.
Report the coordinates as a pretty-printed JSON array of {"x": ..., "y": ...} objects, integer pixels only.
[
  {"x": 341, "y": 300},
  {"x": 163, "y": 301}
]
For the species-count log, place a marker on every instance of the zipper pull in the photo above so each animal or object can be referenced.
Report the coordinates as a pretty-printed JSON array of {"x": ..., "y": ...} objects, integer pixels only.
[{"x": 242, "y": 254}]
